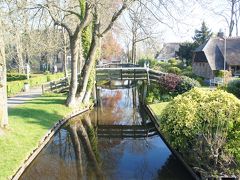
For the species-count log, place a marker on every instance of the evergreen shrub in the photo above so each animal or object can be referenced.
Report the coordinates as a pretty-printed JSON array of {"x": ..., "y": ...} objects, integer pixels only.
[{"x": 204, "y": 126}]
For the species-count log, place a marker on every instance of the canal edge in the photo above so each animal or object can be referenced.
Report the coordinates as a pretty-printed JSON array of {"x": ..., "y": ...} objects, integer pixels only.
[
  {"x": 42, "y": 143},
  {"x": 157, "y": 126}
]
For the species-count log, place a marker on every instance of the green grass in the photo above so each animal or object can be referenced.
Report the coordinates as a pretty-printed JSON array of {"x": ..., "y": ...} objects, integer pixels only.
[
  {"x": 158, "y": 108},
  {"x": 28, "y": 123}
]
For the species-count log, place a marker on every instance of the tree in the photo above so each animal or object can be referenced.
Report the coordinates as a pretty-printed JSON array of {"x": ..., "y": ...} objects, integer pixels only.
[
  {"x": 110, "y": 47},
  {"x": 3, "y": 83},
  {"x": 99, "y": 30},
  {"x": 185, "y": 52},
  {"x": 230, "y": 11},
  {"x": 202, "y": 35}
]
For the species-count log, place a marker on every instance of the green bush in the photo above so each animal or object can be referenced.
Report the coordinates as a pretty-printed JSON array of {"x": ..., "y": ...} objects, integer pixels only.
[
  {"x": 186, "y": 84},
  {"x": 15, "y": 87},
  {"x": 220, "y": 73},
  {"x": 172, "y": 61},
  {"x": 204, "y": 126},
  {"x": 16, "y": 77},
  {"x": 174, "y": 70},
  {"x": 234, "y": 87}
]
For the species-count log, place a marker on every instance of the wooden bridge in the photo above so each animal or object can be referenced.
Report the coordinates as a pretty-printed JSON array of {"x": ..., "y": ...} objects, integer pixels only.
[
  {"x": 123, "y": 72},
  {"x": 111, "y": 72},
  {"x": 126, "y": 131}
]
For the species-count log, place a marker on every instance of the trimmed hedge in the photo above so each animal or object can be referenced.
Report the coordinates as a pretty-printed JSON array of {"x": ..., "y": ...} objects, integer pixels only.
[
  {"x": 15, "y": 87},
  {"x": 16, "y": 77}
]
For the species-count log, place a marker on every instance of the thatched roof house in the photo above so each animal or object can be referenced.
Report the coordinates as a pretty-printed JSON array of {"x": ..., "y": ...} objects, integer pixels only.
[{"x": 210, "y": 57}]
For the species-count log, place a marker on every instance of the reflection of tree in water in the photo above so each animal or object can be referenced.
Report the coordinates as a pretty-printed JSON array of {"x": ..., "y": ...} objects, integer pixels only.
[
  {"x": 111, "y": 112},
  {"x": 179, "y": 173},
  {"x": 112, "y": 152},
  {"x": 72, "y": 154},
  {"x": 83, "y": 137},
  {"x": 120, "y": 107}
]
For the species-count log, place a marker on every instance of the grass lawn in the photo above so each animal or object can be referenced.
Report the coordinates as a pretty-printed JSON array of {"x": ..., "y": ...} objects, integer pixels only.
[
  {"x": 158, "y": 108},
  {"x": 28, "y": 123}
]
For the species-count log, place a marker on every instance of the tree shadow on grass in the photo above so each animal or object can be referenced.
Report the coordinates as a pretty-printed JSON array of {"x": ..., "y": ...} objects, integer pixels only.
[{"x": 35, "y": 116}]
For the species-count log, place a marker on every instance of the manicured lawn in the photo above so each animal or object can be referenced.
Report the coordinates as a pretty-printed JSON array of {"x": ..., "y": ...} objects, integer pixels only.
[
  {"x": 28, "y": 123},
  {"x": 158, "y": 108}
]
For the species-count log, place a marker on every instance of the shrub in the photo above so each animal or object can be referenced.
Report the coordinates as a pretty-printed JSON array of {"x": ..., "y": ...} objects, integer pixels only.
[
  {"x": 174, "y": 70},
  {"x": 169, "y": 82},
  {"x": 201, "y": 125},
  {"x": 51, "y": 77},
  {"x": 234, "y": 87},
  {"x": 186, "y": 84},
  {"x": 172, "y": 61},
  {"x": 152, "y": 62},
  {"x": 15, "y": 87},
  {"x": 16, "y": 77}
]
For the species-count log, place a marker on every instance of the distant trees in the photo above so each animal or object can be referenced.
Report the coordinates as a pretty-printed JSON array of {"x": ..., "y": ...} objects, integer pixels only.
[
  {"x": 186, "y": 49},
  {"x": 202, "y": 35},
  {"x": 110, "y": 48}
]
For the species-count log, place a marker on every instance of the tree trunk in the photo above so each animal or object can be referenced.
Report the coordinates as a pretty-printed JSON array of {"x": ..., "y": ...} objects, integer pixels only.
[
  {"x": 3, "y": 83},
  {"x": 88, "y": 148},
  {"x": 71, "y": 99},
  {"x": 77, "y": 149},
  {"x": 19, "y": 54},
  {"x": 231, "y": 23},
  {"x": 65, "y": 69},
  {"x": 88, "y": 66}
]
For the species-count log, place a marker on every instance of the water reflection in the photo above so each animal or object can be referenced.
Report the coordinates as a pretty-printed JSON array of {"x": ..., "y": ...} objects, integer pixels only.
[{"x": 113, "y": 141}]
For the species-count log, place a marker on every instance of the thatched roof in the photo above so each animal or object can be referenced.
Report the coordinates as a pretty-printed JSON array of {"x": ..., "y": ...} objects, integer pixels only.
[{"x": 213, "y": 50}]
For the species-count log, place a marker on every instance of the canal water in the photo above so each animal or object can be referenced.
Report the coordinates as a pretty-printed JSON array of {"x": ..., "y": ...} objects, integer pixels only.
[{"x": 115, "y": 141}]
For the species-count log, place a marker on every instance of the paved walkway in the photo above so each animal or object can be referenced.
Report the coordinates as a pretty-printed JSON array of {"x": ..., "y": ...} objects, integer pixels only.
[{"x": 24, "y": 96}]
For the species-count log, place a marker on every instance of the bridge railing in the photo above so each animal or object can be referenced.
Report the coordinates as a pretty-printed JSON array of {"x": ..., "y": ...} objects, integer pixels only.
[
  {"x": 117, "y": 65},
  {"x": 128, "y": 73},
  {"x": 55, "y": 86}
]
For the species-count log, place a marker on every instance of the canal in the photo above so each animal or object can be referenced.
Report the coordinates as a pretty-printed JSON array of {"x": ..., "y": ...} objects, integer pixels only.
[{"x": 116, "y": 140}]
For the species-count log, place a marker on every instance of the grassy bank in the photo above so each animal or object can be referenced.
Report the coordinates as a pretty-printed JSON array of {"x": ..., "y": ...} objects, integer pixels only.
[
  {"x": 28, "y": 123},
  {"x": 158, "y": 108}
]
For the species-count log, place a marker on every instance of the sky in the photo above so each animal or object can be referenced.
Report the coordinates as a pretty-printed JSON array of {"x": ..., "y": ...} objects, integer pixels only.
[
  {"x": 194, "y": 18},
  {"x": 178, "y": 21}
]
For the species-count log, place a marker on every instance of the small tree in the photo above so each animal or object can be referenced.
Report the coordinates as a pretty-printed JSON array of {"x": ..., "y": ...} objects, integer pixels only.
[{"x": 202, "y": 35}]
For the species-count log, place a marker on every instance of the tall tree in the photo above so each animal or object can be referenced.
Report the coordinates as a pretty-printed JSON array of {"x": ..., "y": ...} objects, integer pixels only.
[
  {"x": 70, "y": 18},
  {"x": 202, "y": 35},
  {"x": 99, "y": 30},
  {"x": 3, "y": 83}
]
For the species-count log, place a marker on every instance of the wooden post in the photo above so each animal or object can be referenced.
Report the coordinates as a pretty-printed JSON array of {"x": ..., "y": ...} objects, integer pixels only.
[
  {"x": 42, "y": 88},
  {"x": 144, "y": 92},
  {"x": 134, "y": 74},
  {"x": 94, "y": 93},
  {"x": 121, "y": 74}
]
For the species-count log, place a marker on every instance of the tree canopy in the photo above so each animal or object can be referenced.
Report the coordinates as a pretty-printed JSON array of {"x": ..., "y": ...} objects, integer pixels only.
[{"x": 202, "y": 35}]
